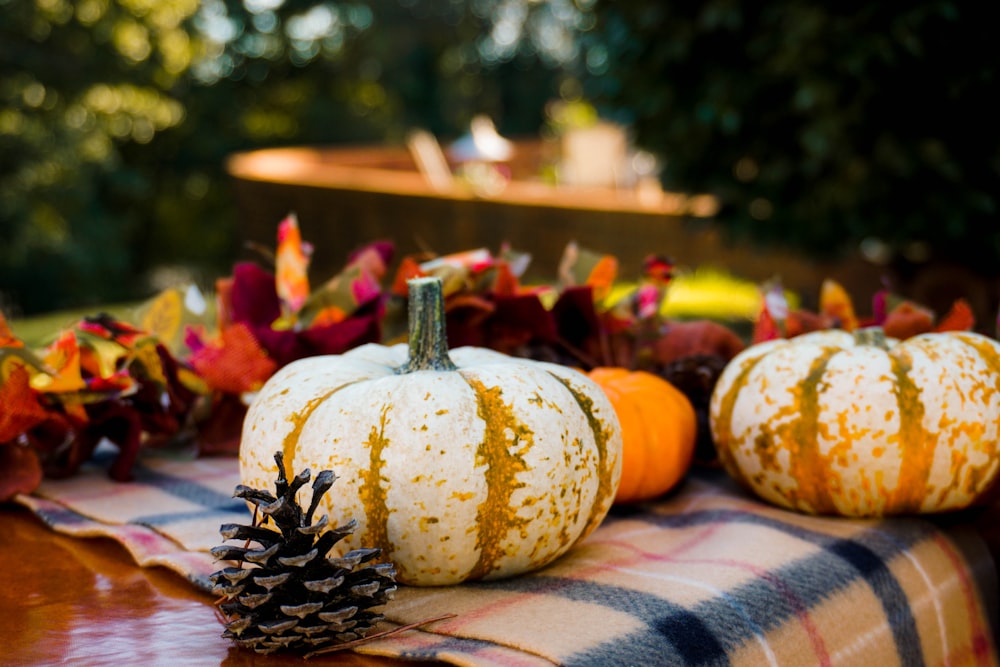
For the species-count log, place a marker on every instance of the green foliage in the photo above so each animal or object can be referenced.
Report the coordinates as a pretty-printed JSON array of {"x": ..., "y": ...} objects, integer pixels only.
[
  {"x": 116, "y": 117},
  {"x": 80, "y": 84},
  {"x": 818, "y": 124}
]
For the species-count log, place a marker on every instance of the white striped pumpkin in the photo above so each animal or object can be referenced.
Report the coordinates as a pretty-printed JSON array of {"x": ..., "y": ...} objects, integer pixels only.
[
  {"x": 860, "y": 424},
  {"x": 459, "y": 466}
]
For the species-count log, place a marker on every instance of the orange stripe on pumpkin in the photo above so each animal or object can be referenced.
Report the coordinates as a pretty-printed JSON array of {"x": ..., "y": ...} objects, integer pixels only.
[
  {"x": 811, "y": 469},
  {"x": 289, "y": 446},
  {"x": 917, "y": 444},
  {"x": 723, "y": 424},
  {"x": 504, "y": 461},
  {"x": 371, "y": 493},
  {"x": 605, "y": 492}
]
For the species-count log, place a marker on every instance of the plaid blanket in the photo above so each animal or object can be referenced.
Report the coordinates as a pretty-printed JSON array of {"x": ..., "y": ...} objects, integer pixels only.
[{"x": 705, "y": 576}]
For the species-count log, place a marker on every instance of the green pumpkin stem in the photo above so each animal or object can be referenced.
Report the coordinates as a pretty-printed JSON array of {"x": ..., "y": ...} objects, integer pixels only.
[
  {"x": 428, "y": 334},
  {"x": 871, "y": 336}
]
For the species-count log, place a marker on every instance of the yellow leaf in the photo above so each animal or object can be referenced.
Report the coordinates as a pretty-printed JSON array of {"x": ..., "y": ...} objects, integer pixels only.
[
  {"x": 163, "y": 316},
  {"x": 835, "y": 302},
  {"x": 62, "y": 358}
]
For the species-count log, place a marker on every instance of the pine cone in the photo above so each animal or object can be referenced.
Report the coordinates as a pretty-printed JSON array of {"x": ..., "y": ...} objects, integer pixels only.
[
  {"x": 695, "y": 375},
  {"x": 287, "y": 592}
]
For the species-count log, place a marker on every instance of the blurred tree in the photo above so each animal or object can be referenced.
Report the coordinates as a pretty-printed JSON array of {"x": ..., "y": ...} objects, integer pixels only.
[
  {"x": 821, "y": 126},
  {"x": 77, "y": 82},
  {"x": 116, "y": 116}
]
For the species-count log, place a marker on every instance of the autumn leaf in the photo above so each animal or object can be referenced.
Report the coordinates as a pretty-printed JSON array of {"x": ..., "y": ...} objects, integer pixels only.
[
  {"x": 408, "y": 268},
  {"x": 291, "y": 267},
  {"x": 602, "y": 276},
  {"x": 62, "y": 359},
  {"x": 7, "y": 337},
  {"x": 959, "y": 318},
  {"x": 505, "y": 283},
  {"x": 908, "y": 319},
  {"x": 21, "y": 470},
  {"x": 22, "y": 410},
  {"x": 835, "y": 303},
  {"x": 236, "y": 363}
]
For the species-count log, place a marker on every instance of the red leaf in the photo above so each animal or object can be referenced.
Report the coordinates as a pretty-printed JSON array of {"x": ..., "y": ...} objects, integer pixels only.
[
  {"x": 362, "y": 327},
  {"x": 235, "y": 364},
  {"x": 106, "y": 326},
  {"x": 57, "y": 443},
  {"x": 408, "y": 268},
  {"x": 518, "y": 321},
  {"x": 21, "y": 409},
  {"x": 959, "y": 318},
  {"x": 803, "y": 321},
  {"x": 505, "y": 283},
  {"x": 120, "y": 424},
  {"x": 765, "y": 328},
  {"x": 658, "y": 269},
  {"x": 253, "y": 298},
  {"x": 466, "y": 317},
  {"x": 7, "y": 337},
  {"x": 220, "y": 432},
  {"x": 163, "y": 400},
  {"x": 20, "y": 471},
  {"x": 575, "y": 316},
  {"x": 908, "y": 319}
]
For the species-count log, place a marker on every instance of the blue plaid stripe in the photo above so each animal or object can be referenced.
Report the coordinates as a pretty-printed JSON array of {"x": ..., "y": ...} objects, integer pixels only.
[
  {"x": 707, "y": 633},
  {"x": 810, "y": 587},
  {"x": 188, "y": 490}
]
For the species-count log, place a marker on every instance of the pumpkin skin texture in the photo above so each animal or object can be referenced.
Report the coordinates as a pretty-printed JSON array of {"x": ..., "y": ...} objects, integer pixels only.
[
  {"x": 659, "y": 430},
  {"x": 483, "y": 467},
  {"x": 862, "y": 425}
]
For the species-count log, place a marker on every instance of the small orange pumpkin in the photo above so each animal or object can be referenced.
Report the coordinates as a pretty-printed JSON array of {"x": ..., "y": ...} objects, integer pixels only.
[{"x": 658, "y": 427}]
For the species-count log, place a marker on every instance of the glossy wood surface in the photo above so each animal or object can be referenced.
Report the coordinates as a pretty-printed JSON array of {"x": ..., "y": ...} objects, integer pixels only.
[{"x": 82, "y": 601}]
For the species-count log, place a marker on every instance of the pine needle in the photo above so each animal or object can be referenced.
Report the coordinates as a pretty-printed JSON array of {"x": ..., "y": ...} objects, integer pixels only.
[{"x": 379, "y": 635}]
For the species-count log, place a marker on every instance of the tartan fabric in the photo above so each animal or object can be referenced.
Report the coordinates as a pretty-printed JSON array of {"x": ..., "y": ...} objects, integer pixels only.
[{"x": 705, "y": 576}]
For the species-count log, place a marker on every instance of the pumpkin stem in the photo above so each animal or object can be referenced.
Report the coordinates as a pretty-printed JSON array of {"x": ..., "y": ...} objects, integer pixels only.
[
  {"x": 428, "y": 334},
  {"x": 871, "y": 336}
]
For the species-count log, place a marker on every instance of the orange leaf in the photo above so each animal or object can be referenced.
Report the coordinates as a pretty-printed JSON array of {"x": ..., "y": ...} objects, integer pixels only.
[
  {"x": 602, "y": 276},
  {"x": 327, "y": 316},
  {"x": 959, "y": 318},
  {"x": 291, "y": 264},
  {"x": 7, "y": 337},
  {"x": 63, "y": 357},
  {"x": 835, "y": 303},
  {"x": 408, "y": 268},
  {"x": 235, "y": 364}
]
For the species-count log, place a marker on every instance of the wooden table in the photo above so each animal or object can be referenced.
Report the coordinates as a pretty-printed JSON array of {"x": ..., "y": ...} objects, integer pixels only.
[{"x": 84, "y": 601}]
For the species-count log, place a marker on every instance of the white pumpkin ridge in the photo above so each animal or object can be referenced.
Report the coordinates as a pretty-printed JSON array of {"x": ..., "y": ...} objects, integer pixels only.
[
  {"x": 492, "y": 469},
  {"x": 823, "y": 423}
]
